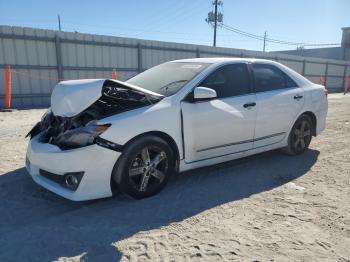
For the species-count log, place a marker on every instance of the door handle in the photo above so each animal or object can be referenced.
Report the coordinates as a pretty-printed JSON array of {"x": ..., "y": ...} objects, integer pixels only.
[
  {"x": 249, "y": 105},
  {"x": 298, "y": 97}
]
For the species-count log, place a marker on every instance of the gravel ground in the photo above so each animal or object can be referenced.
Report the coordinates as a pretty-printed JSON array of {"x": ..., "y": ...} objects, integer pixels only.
[{"x": 265, "y": 207}]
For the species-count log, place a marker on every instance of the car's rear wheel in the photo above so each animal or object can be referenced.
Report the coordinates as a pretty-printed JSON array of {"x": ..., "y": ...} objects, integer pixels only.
[
  {"x": 300, "y": 136},
  {"x": 145, "y": 167}
]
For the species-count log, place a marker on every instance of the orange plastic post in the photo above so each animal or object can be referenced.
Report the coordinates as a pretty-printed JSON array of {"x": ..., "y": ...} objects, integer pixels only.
[
  {"x": 114, "y": 74},
  {"x": 322, "y": 82},
  {"x": 346, "y": 84},
  {"x": 8, "y": 88}
]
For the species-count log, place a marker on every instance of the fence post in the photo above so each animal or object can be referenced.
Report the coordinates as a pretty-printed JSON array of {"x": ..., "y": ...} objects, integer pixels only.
[
  {"x": 326, "y": 74},
  {"x": 345, "y": 79},
  {"x": 58, "y": 57},
  {"x": 139, "y": 57},
  {"x": 8, "y": 88},
  {"x": 198, "y": 53},
  {"x": 303, "y": 70}
]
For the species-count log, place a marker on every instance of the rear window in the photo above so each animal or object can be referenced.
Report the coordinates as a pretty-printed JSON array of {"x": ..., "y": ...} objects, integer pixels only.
[
  {"x": 168, "y": 78},
  {"x": 269, "y": 77}
]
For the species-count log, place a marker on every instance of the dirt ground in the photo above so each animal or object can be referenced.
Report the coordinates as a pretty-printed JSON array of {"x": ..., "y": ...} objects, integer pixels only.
[{"x": 261, "y": 208}]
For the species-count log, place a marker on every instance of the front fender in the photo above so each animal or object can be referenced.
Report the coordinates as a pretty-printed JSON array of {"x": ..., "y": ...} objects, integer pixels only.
[{"x": 162, "y": 117}]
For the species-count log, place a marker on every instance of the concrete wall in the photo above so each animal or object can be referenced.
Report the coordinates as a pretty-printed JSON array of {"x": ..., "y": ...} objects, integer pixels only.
[{"x": 39, "y": 58}]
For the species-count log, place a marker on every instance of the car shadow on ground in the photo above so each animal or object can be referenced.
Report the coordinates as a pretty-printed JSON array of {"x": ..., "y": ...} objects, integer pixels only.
[{"x": 36, "y": 225}]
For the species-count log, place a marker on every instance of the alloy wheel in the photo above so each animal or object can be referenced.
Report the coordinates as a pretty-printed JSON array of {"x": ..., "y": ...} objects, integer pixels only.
[
  {"x": 148, "y": 169},
  {"x": 301, "y": 136}
]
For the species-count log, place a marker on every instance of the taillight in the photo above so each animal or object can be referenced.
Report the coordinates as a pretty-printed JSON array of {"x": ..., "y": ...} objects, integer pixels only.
[{"x": 325, "y": 92}]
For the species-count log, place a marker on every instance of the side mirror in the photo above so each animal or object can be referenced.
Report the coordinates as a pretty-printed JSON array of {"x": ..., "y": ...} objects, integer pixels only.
[{"x": 203, "y": 93}]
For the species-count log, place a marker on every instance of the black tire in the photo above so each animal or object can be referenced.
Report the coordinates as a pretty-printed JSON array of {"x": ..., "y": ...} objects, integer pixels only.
[
  {"x": 300, "y": 136},
  {"x": 140, "y": 176}
]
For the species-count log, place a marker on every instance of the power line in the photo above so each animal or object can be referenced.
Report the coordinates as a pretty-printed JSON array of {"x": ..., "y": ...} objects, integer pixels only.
[
  {"x": 78, "y": 25},
  {"x": 163, "y": 36},
  {"x": 180, "y": 13},
  {"x": 272, "y": 40}
]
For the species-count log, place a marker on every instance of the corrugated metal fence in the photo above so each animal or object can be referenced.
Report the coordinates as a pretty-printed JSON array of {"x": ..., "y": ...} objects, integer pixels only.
[{"x": 40, "y": 58}]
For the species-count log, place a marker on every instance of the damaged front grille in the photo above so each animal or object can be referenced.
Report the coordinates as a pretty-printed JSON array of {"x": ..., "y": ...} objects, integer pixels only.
[
  {"x": 54, "y": 126},
  {"x": 114, "y": 99}
]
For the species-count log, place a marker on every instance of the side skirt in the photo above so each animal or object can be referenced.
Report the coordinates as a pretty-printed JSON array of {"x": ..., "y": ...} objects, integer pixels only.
[{"x": 216, "y": 160}]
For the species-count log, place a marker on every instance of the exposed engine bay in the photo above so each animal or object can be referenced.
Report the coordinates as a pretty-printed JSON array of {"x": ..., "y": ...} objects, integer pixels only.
[{"x": 81, "y": 129}]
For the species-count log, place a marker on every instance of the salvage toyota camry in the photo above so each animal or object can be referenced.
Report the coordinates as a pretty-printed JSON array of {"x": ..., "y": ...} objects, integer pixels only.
[{"x": 102, "y": 135}]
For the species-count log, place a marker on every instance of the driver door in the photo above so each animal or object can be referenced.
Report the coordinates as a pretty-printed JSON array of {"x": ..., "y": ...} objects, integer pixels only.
[{"x": 223, "y": 125}]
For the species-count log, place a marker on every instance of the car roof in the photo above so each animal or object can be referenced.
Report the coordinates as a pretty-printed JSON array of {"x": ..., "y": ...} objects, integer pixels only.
[{"x": 218, "y": 60}]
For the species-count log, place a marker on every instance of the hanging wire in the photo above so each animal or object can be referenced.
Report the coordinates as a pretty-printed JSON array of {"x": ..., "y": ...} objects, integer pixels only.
[{"x": 272, "y": 40}]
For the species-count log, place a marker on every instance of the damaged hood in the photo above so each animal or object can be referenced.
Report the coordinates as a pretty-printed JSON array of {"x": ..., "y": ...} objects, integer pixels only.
[
  {"x": 77, "y": 105},
  {"x": 69, "y": 98}
]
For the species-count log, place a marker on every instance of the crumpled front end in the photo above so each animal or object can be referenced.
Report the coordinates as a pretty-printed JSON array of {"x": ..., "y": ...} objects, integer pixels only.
[
  {"x": 66, "y": 154},
  {"x": 70, "y": 128}
]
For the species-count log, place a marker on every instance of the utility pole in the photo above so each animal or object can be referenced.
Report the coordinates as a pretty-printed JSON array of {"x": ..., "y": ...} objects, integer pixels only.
[
  {"x": 59, "y": 22},
  {"x": 214, "y": 18},
  {"x": 216, "y": 21},
  {"x": 265, "y": 36}
]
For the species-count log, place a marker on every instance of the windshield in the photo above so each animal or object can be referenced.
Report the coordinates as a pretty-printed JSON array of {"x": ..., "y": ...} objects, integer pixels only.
[{"x": 168, "y": 78}]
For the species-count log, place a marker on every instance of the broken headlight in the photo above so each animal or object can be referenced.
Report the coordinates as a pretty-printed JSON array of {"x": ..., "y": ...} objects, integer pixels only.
[
  {"x": 42, "y": 125},
  {"x": 79, "y": 137}
]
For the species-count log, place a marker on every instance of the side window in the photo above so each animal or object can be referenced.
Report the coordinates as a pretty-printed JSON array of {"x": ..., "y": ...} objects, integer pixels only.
[
  {"x": 269, "y": 77},
  {"x": 229, "y": 80}
]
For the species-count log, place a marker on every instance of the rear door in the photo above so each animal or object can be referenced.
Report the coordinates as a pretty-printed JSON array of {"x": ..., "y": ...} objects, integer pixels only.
[
  {"x": 279, "y": 101},
  {"x": 223, "y": 125}
]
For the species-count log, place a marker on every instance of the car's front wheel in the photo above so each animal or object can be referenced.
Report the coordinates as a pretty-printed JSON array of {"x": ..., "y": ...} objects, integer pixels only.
[
  {"x": 145, "y": 167},
  {"x": 300, "y": 136}
]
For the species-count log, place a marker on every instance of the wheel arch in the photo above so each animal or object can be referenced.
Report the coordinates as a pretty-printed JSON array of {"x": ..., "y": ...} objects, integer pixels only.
[
  {"x": 159, "y": 134},
  {"x": 164, "y": 136}
]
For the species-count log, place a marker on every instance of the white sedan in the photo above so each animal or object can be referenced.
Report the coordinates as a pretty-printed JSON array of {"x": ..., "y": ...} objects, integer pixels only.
[{"x": 102, "y": 135}]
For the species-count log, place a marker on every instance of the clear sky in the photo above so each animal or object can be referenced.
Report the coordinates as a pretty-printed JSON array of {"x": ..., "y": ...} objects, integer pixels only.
[{"x": 313, "y": 21}]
